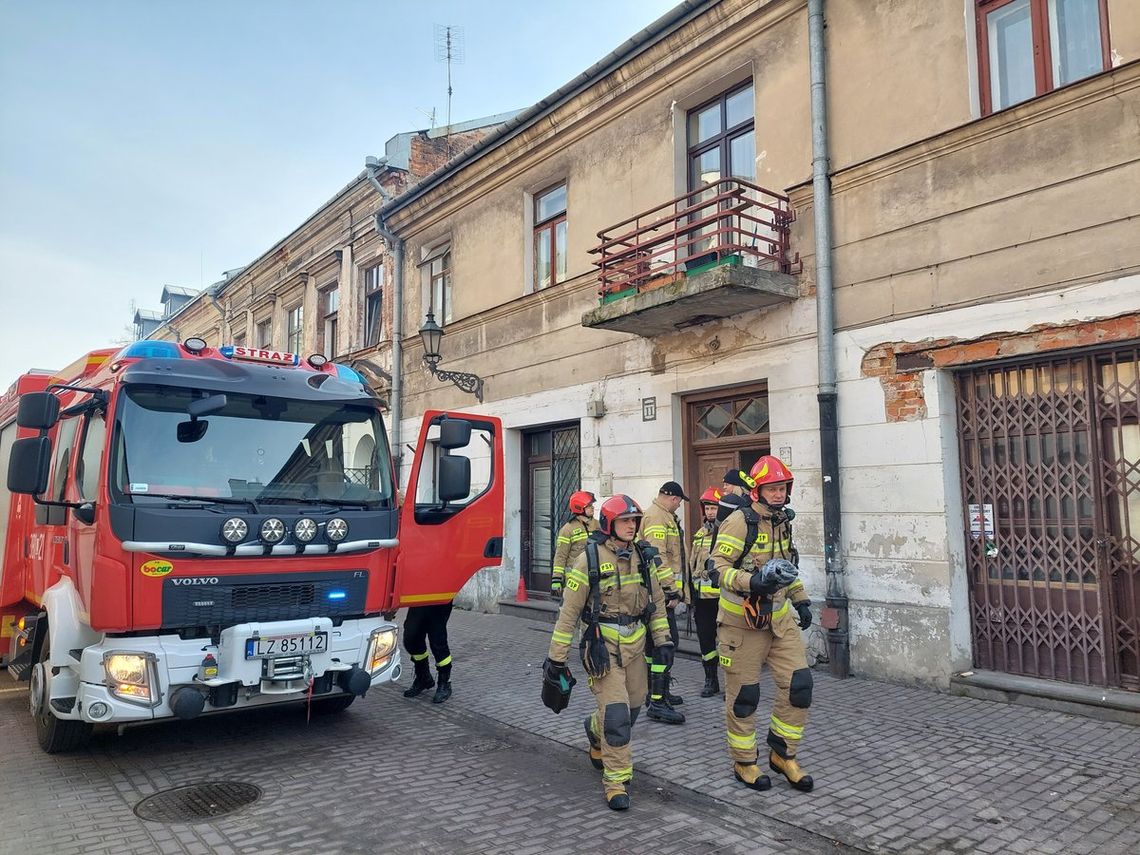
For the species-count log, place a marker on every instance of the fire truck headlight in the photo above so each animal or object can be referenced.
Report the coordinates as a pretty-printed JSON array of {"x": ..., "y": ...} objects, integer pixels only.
[
  {"x": 336, "y": 530},
  {"x": 304, "y": 530},
  {"x": 380, "y": 646},
  {"x": 272, "y": 531},
  {"x": 234, "y": 530},
  {"x": 130, "y": 676}
]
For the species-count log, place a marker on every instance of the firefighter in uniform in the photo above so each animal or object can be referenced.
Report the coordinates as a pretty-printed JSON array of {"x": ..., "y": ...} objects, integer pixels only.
[
  {"x": 705, "y": 594},
  {"x": 759, "y": 592},
  {"x": 736, "y": 483},
  {"x": 424, "y": 625},
  {"x": 572, "y": 538},
  {"x": 662, "y": 530},
  {"x": 619, "y": 600}
]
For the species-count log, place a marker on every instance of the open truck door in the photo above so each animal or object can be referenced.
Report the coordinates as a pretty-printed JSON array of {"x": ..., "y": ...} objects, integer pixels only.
[{"x": 451, "y": 523}]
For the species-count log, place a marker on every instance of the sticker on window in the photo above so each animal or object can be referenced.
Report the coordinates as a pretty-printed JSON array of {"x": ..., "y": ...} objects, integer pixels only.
[{"x": 138, "y": 488}]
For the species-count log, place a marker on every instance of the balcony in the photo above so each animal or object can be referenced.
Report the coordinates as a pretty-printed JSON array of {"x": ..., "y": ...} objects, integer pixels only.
[{"x": 712, "y": 253}]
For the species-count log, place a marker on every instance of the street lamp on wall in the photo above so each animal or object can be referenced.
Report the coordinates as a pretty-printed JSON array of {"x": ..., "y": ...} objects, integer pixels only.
[{"x": 431, "y": 334}]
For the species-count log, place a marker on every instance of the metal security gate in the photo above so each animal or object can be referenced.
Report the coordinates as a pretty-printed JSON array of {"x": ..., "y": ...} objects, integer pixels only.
[
  {"x": 1050, "y": 455},
  {"x": 551, "y": 472}
]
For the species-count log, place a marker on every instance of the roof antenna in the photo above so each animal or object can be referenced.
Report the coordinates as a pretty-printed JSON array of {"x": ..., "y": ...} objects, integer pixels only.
[{"x": 449, "y": 49}]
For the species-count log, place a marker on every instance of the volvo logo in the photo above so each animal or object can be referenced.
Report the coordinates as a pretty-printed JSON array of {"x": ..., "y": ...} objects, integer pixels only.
[{"x": 197, "y": 580}]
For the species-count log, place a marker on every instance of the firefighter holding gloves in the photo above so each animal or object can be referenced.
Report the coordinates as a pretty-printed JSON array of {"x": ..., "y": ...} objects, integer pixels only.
[
  {"x": 614, "y": 590},
  {"x": 572, "y": 538},
  {"x": 760, "y": 595}
]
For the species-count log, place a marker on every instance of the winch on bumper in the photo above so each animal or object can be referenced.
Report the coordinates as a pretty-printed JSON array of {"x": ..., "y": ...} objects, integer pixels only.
[{"x": 253, "y": 664}]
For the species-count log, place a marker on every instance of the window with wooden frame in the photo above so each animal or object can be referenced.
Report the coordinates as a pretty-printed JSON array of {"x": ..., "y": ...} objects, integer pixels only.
[
  {"x": 550, "y": 237},
  {"x": 294, "y": 328},
  {"x": 437, "y": 272},
  {"x": 373, "y": 303},
  {"x": 264, "y": 333},
  {"x": 330, "y": 303},
  {"x": 1029, "y": 47}
]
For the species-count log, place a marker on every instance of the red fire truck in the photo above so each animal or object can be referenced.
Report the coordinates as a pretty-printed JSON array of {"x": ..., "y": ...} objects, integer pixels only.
[{"x": 188, "y": 530}]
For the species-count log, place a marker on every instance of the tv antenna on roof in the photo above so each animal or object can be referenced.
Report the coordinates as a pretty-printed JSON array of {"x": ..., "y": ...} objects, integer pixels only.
[{"x": 449, "y": 48}]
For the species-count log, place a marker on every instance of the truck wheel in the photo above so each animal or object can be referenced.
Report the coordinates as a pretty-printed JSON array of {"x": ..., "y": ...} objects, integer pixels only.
[
  {"x": 55, "y": 735},
  {"x": 329, "y": 706}
]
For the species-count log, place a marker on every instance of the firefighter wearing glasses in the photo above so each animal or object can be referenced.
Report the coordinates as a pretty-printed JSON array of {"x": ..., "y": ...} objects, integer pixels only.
[
  {"x": 572, "y": 538},
  {"x": 759, "y": 592},
  {"x": 613, "y": 589}
]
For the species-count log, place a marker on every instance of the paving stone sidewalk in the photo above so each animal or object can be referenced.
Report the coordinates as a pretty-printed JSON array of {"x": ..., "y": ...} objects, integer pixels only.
[{"x": 897, "y": 769}]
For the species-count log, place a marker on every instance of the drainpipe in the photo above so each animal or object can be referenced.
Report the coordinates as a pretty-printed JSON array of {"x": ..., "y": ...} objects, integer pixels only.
[
  {"x": 835, "y": 616},
  {"x": 372, "y": 167}
]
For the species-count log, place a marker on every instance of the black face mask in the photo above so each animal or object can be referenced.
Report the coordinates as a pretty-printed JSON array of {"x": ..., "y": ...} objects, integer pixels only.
[{"x": 624, "y": 554}]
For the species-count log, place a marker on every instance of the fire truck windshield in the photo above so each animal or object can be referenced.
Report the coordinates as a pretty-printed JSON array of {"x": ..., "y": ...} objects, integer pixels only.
[{"x": 253, "y": 447}]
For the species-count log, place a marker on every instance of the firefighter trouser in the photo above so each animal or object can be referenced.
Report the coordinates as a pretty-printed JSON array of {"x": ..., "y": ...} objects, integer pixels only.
[
  {"x": 704, "y": 613},
  {"x": 742, "y": 653},
  {"x": 620, "y": 695},
  {"x": 425, "y": 625}
]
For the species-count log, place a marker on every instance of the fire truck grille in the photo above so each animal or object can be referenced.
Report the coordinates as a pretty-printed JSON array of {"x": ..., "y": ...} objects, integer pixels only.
[{"x": 228, "y": 600}]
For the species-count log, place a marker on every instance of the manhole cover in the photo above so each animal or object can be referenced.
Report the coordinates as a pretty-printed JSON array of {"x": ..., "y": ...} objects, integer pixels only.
[
  {"x": 197, "y": 802},
  {"x": 483, "y": 746}
]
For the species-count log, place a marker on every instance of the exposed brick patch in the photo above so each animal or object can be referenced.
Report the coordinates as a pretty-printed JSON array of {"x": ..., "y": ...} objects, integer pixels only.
[
  {"x": 430, "y": 153},
  {"x": 899, "y": 364}
]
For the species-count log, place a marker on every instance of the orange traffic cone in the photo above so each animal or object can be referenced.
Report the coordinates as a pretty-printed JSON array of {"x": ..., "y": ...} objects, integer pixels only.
[{"x": 521, "y": 596}]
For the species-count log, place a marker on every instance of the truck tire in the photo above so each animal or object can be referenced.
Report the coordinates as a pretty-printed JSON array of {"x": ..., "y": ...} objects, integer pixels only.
[
  {"x": 55, "y": 735},
  {"x": 330, "y": 706}
]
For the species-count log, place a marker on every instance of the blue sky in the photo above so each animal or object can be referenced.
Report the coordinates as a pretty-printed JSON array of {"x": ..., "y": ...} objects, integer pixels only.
[{"x": 145, "y": 142}]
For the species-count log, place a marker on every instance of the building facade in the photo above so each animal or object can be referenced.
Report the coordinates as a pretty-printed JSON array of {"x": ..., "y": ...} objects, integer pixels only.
[{"x": 630, "y": 267}]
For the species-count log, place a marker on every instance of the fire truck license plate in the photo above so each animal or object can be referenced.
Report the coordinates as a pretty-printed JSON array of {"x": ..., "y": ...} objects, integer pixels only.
[{"x": 286, "y": 645}]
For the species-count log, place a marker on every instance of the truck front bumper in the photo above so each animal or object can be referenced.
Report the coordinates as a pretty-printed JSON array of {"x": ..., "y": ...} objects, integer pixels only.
[{"x": 357, "y": 654}]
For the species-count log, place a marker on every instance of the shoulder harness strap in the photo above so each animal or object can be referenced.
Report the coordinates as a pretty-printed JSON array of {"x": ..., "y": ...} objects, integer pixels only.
[{"x": 753, "y": 521}]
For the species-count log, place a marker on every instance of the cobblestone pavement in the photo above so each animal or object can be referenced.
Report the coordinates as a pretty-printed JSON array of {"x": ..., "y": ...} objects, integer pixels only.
[
  {"x": 897, "y": 770},
  {"x": 388, "y": 775}
]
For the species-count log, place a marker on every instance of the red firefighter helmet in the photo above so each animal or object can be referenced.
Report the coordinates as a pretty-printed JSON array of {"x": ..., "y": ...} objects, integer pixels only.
[
  {"x": 770, "y": 470},
  {"x": 580, "y": 501},
  {"x": 617, "y": 507},
  {"x": 711, "y": 496}
]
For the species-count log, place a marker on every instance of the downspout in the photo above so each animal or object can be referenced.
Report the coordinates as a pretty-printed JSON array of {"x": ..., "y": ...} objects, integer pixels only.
[
  {"x": 372, "y": 168},
  {"x": 834, "y": 617}
]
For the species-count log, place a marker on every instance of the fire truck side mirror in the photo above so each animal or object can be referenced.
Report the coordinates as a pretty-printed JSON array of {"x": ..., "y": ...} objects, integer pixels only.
[
  {"x": 454, "y": 478},
  {"x": 38, "y": 410},
  {"x": 454, "y": 433},
  {"x": 28, "y": 468}
]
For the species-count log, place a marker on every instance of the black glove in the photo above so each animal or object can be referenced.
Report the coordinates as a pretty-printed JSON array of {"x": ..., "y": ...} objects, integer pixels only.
[
  {"x": 552, "y": 670},
  {"x": 556, "y": 589},
  {"x": 803, "y": 609},
  {"x": 650, "y": 554},
  {"x": 712, "y": 573},
  {"x": 776, "y": 574},
  {"x": 663, "y": 655}
]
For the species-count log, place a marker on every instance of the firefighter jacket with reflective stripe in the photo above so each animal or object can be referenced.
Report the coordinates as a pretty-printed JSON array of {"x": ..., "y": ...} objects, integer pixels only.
[
  {"x": 660, "y": 528},
  {"x": 773, "y": 540},
  {"x": 702, "y": 540},
  {"x": 623, "y": 598},
  {"x": 571, "y": 542}
]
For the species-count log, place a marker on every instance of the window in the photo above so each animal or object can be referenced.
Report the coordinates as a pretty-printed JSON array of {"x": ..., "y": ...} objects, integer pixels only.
[
  {"x": 330, "y": 302},
  {"x": 550, "y": 237},
  {"x": 265, "y": 333},
  {"x": 239, "y": 340},
  {"x": 1029, "y": 47},
  {"x": 373, "y": 303},
  {"x": 61, "y": 466},
  {"x": 438, "y": 265},
  {"x": 294, "y": 328},
  {"x": 721, "y": 144},
  {"x": 87, "y": 473}
]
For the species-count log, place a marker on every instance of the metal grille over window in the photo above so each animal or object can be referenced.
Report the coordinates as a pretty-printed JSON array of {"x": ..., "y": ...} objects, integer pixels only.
[{"x": 1051, "y": 483}]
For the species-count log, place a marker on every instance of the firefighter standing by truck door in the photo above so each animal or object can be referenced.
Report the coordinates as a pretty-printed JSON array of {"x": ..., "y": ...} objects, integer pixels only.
[
  {"x": 613, "y": 589},
  {"x": 661, "y": 530},
  {"x": 572, "y": 538},
  {"x": 706, "y": 594},
  {"x": 759, "y": 590},
  {"x": 424, "y": 625}
]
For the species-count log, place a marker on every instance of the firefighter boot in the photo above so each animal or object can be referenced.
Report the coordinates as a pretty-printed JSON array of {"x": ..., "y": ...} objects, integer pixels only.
[
  {"x": 422, "y": 681},
  {"x": 443, "y": 690},
  {"x": 790, "y": 769},
  {"x": 616, "y": 796},
  {"x": 712, "y": 684},
  {"x": 595, "y": 745},
  {"x": 750, "y": 775},
  {"x": 671, "y": 699},
  {"x": 658, "y": 708}
]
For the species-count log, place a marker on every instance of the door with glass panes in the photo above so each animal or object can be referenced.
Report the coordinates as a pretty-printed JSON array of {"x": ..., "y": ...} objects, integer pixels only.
[{"x": 551, "y": 462}]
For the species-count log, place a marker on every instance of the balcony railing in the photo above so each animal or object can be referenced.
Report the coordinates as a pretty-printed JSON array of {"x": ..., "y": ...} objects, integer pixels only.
[{"x": 730, "y": 218}]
